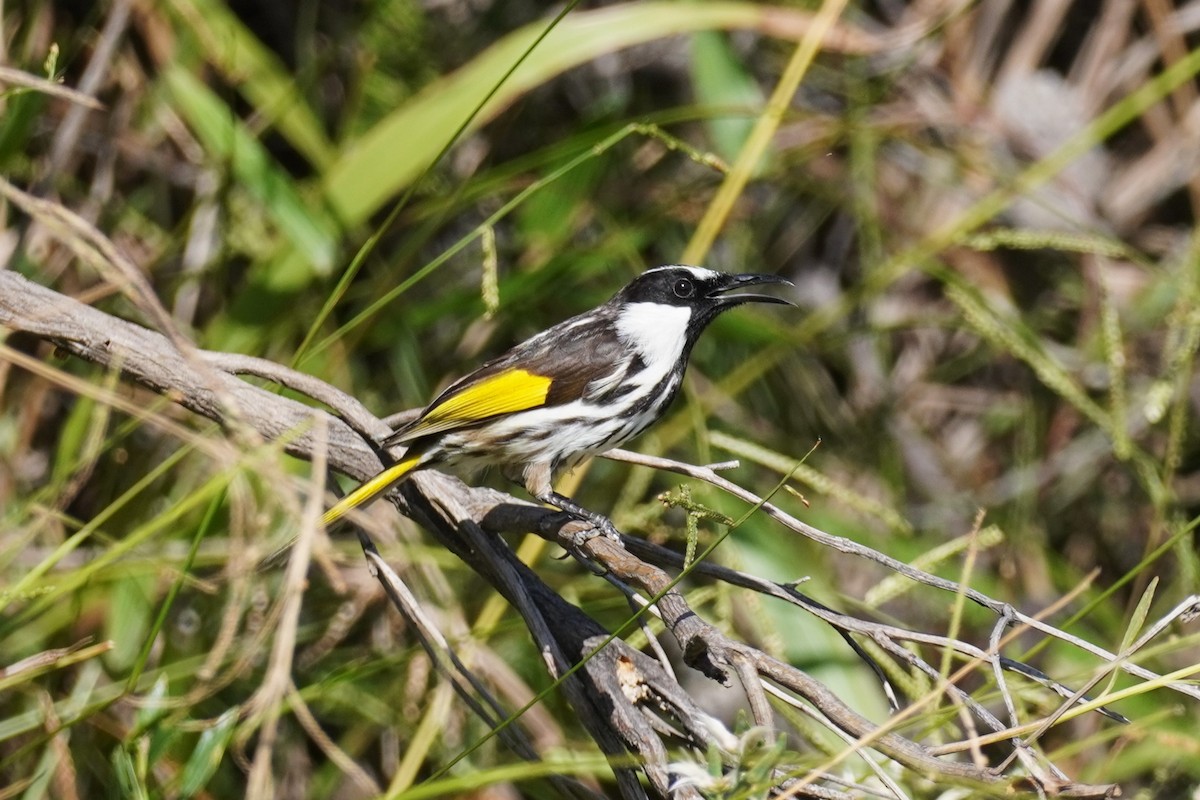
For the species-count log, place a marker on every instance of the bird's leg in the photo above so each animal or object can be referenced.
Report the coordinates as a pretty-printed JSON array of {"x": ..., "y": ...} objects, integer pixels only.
[
  {"x": 600, "y": 523},
  {"x": 537, "y": 478}
]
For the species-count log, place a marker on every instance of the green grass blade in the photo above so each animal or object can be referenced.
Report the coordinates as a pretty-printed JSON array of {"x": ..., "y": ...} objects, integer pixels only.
[
  {"x": 399, "y": 147},
  {"x": 310, "y": 232},
  {"x": 722, "y": 81},
  {"x": 258, "y": 75}
]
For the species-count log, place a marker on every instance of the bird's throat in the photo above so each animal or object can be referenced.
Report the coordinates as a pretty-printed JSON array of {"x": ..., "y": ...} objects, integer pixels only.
[{"x": 658, "y": 332}]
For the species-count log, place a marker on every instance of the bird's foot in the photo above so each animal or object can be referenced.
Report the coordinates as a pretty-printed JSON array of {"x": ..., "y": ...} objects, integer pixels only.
[
  {"x": 594, "y": 526},
  {"x": 600, "y": 524},
  {"x": 604, "y": 525}
]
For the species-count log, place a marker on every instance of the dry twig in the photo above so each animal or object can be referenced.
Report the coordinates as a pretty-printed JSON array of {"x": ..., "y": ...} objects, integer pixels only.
[{"x": 624, "y": 698}]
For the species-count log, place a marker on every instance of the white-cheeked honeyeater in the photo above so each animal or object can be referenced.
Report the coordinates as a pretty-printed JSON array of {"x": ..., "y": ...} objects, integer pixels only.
[{"x": 577, "y": 389}]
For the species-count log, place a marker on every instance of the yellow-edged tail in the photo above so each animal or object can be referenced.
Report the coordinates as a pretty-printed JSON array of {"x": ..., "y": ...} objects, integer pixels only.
[{"x": 372, "y": 488}]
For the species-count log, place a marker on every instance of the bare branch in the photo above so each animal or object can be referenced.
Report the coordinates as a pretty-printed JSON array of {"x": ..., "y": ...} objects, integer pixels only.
[
  {"x": 626, "y": 700},
  {"x": 850, "y": 547}
]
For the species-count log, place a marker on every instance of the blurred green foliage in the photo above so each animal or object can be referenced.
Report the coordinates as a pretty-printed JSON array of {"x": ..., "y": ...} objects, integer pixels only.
[{"x": 1000, "y": 310}]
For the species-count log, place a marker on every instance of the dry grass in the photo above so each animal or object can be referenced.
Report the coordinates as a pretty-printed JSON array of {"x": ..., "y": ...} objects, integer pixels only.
[{"x": 989, "y": 212}]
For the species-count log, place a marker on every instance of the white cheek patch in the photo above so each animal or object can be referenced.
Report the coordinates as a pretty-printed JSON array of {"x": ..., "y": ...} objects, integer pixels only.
[{"x": 659, "y": 332}]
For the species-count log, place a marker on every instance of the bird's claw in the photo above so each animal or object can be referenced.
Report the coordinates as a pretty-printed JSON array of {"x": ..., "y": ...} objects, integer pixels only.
[
  {"x": 605, "y": 526},
  {"x": 598, "y": 526}
]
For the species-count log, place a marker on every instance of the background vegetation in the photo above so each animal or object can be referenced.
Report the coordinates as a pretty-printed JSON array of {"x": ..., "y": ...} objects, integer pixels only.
[{"x": 989, "y": 214}]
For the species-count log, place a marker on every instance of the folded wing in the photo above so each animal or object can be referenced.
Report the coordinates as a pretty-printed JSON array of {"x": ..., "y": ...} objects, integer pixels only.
[{"x": 548, "y": 371}]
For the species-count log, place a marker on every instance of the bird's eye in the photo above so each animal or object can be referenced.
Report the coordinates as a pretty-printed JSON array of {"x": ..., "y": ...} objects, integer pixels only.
[{"x": 683, "y": 288}]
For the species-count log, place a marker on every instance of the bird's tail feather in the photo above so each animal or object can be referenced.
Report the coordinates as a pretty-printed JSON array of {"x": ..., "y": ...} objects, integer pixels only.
[{"x": 374, "y": 487}]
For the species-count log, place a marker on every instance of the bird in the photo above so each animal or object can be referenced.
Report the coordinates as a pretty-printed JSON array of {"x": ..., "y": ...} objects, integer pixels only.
[{"x": 575, "y": 390}]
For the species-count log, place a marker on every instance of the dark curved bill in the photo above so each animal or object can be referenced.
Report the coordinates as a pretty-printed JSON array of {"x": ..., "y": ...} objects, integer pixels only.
[{"x": 734, "y": 282}]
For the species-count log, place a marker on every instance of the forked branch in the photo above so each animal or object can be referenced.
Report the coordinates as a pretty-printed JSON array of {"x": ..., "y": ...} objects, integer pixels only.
[{"x": 626, "y": 700}]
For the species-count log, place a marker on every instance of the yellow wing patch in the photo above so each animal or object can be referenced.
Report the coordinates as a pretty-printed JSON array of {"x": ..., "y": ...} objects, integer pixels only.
[{"x": 502, "y": 393}]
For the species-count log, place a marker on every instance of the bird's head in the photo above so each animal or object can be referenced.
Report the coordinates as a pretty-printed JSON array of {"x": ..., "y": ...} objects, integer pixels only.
[
  {"x": 673, "y": 305},
  {"x": 704, "y": 292}
]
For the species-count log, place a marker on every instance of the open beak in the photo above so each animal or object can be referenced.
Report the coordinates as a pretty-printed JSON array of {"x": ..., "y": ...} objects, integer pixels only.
[{"x": 721, "y": 296}]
